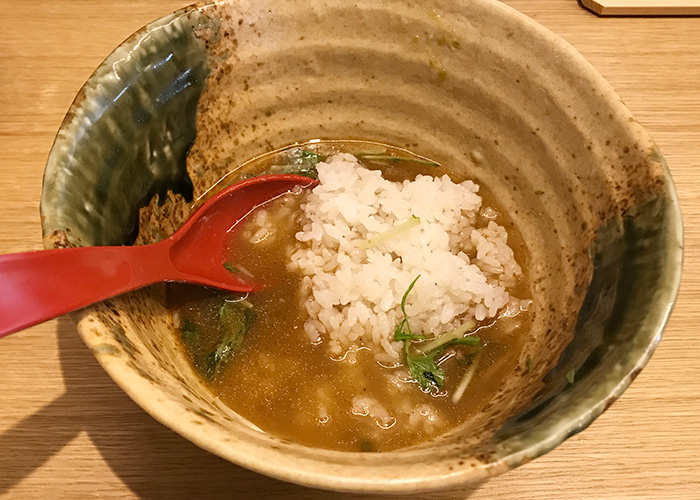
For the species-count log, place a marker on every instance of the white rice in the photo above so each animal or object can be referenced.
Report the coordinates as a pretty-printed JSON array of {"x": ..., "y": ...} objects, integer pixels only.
[{"x": 352, "y": 294}]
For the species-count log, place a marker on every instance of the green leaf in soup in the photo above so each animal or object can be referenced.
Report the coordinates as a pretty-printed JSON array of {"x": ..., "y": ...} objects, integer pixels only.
[
  {"x": 421, "y": 364},
  {"x": 189, "y": 332},
  {"x": 395, "y": 159},
  {"x": 235, "y": 320},
  {"x": 425, "y": 370},
  {"x": 405, "y": 295},
  {"x": 470, "y": 341},
  {"x": 366, "y": 446},
  {"x": 305, "y": 157},
  {"x": 423, "y": 367},
  {"x": 300, "y": 161},
  {"x": 402, "y": 332},
  {"x": 229, "y": 267}
]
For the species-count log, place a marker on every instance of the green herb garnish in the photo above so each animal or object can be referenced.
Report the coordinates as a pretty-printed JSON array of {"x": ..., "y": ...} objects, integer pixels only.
[
  {"x": 453, "y": 335},
  {"x": 304, "y": 156},
  {"x": 301, "y": 161},
  {"x": 189, "y": 332},
  {"x": 423, "y": 368},
  {"x": 528, "y": 364},
  {"x": 570, "y": 377},
  {"x": 400, "y": 332},
  {"x": 422, "y": 364},
  {"x": 235, "y": 321},
  {"x": 230, "y": 268},
  {"x": 395, "y": 159},
  {"x": 403, "y": 330},
  {"x": 407, "y": 225},
  {"x": 366, "y": 446}
]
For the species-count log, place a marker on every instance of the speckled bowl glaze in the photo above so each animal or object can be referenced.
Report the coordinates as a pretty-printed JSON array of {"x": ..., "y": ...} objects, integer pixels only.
[{"x": 472, "y": 84}]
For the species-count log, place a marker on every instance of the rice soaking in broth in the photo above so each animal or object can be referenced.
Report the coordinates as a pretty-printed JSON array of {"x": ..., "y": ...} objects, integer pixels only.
[{"x": 393, "y": 305}]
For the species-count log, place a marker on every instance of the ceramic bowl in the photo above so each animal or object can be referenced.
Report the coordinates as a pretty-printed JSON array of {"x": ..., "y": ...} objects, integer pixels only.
[{"x": 472, "y": 84}]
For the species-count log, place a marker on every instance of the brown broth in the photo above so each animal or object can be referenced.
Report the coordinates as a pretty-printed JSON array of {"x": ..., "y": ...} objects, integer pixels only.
[{"x": 294, "y": 389}]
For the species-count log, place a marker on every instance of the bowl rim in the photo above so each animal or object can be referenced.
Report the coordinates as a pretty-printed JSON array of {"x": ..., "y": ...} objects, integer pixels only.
[{"x": 154, "y": 400}]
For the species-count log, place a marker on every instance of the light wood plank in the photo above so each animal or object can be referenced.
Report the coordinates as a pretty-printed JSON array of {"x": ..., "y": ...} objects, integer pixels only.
[{"x": 644, "y": 7}]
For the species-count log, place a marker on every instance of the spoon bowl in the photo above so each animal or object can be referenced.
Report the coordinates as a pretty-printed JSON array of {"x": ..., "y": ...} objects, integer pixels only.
[
  {"x": 198, "y": 250},
  {"x": 37, "y": 286}
]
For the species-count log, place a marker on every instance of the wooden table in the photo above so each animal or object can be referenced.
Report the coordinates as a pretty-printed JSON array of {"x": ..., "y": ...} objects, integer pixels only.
[{"x": 68, "y": 432}]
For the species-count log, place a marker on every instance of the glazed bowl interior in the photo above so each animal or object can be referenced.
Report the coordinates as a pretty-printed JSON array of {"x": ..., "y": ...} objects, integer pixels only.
[{"x": 471, "y": 84}]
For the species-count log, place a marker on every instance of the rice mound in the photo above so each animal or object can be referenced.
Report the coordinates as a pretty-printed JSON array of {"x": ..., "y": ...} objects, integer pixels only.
[{"x": 352, "y": 294}]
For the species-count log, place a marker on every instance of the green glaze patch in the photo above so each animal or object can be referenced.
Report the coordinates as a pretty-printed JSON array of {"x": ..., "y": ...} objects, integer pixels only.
[
  {"x": 127, "y": 134},
  {"x": 616, "y": 332},
  {"x": 120, "y": 336},
  {"x": 105, "y": 349}
]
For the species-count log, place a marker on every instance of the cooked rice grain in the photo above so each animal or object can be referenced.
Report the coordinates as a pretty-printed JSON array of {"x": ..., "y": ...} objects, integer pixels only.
[{"x": 353, "y": 294}]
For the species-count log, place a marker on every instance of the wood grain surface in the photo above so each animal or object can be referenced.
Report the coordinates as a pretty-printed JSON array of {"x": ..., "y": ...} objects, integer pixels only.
[
  {"x": 644, "y": 7},
  {"x": 68, "y": 432}
]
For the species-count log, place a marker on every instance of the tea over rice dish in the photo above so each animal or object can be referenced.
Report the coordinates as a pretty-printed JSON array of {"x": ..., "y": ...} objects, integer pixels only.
[{"x": 392, "y": 310}]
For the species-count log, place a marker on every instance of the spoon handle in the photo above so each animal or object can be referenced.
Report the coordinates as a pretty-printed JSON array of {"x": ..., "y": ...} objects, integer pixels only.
[{"x": 37, "y": 286}]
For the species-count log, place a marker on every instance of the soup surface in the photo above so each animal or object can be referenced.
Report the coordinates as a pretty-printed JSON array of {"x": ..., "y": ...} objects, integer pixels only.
[{"x": 316, "y": 357}]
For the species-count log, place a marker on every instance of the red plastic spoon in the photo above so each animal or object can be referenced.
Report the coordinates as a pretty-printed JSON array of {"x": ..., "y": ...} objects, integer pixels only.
[{"x": 37, "y": 286}]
